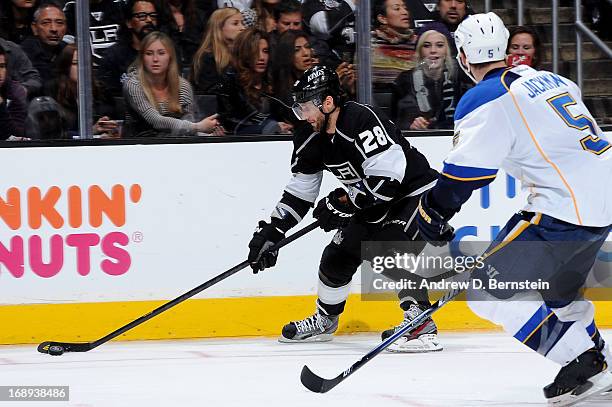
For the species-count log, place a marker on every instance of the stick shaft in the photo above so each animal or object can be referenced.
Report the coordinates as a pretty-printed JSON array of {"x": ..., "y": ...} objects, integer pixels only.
[
  {"x": 200, "y": 288},
  {"x": 84, "y": 347}
]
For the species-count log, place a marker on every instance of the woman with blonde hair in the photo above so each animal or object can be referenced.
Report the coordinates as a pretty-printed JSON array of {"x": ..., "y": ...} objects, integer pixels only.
[
  {"x": 215, "y": 54},
  {"x": 159, "y": 100},
  {"x": 426, "y": 96}
]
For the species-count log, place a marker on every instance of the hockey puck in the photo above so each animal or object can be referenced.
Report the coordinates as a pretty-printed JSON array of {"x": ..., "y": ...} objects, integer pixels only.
[{"x": 56, "y": 350}]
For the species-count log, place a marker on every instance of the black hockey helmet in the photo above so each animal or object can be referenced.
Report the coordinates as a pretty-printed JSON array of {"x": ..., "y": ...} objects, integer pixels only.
[{"x": 316, "y": 84}]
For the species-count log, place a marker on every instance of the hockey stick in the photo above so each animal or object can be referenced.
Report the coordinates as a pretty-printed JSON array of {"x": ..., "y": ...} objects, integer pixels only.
[
  {"x": 318, "y": 384},
  {"x": 57, "y": 348}
]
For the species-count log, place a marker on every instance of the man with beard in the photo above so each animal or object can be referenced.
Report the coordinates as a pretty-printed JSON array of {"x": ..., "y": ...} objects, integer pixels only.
[
  {"x": 105, "y": 16},
  {"x": 49, "y": 27},
  {"x": 450, "y": 13},
  {"x": 141, "y": 18}
]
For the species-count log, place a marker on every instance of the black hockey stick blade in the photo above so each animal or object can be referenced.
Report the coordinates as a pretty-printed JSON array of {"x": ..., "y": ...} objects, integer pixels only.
[
  {"x": 58, "y": 348},
  {"x": 316, "y": 383}
]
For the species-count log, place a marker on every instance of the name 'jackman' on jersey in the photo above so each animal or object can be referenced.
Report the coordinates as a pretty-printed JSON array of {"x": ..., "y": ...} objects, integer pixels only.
[
  {"x": 534, "y": 125},
  {"x": 105, "y": 18},
  {"x": 368, "y": 154}
]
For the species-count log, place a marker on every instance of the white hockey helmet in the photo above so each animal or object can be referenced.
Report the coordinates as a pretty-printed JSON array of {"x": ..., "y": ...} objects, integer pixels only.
[{"x": 482, "y": 38}]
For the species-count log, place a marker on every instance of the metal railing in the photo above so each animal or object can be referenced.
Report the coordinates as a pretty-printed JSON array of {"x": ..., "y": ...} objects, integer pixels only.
[
  {"x": 520, "y": 12},
  {"x": 84, "y": 70},
  {"x": 364, "y": 58},
  {"x": 582, "y": 29}
]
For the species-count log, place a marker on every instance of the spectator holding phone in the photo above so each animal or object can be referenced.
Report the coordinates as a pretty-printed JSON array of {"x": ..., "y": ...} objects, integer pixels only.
[{"x": 160, "y": 102}]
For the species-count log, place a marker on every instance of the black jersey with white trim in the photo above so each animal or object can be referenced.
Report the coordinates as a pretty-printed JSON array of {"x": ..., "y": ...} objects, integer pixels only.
[
  {"x": 368, "y": 154},
  {"x": 105, "y": 18}
]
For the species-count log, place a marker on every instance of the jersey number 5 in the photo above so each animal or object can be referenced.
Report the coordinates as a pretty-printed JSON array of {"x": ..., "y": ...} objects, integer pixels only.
[
  {"x": 371, "y": 141},
  {"x": 590, "y": 143}
]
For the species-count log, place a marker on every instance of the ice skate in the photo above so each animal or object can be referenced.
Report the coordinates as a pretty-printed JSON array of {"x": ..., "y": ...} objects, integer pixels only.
[
  {"x": 605, "y": 350},
  {"x": 586, "y": 377},
  {"x": 423, "y": 338},
  {"x": 315, "y": 328}
]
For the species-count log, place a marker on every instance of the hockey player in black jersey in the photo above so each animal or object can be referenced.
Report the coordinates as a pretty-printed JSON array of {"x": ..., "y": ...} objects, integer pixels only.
[{"x": 383, "y": 177}]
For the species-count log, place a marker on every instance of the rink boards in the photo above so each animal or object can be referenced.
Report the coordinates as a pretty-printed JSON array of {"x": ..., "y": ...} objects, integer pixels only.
[{"x": 92, "y": 237}]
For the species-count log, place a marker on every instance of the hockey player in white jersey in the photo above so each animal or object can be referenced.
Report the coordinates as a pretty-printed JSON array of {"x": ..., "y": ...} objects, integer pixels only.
[
  {"x": 383, "y": 176},
  {"x": 534, "y": 125}
]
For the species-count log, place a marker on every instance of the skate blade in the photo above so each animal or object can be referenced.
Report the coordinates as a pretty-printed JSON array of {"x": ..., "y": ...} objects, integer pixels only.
[
  {"x": 315, "y": 338},
  {"x": 606, "y": 395},
  {"x": 597, "y": 386},
  {"x": 422, "y": 344}
]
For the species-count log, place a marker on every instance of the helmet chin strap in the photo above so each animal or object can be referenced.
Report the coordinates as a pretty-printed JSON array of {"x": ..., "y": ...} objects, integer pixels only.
[
  {"x": 326, "y": 120},
  {"x": 464, "y": 68}
]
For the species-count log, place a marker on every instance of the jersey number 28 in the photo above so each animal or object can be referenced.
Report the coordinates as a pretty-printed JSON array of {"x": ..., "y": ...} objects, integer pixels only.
[
  {"x": 590, "y": 143},
  {"x": 372, "y": 141}
]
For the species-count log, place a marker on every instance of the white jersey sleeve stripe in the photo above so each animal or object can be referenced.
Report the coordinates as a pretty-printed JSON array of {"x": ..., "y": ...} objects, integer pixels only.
[
  {"x": 305, "y": 186},
  {"x": 464, "y": 173}
]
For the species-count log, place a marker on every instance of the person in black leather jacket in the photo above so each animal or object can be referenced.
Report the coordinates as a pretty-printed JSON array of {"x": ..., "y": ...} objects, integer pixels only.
[{"x": 243, "y": 105}]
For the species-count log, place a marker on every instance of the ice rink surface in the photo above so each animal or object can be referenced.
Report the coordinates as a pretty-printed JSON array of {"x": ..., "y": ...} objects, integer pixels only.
[{"x": 475, "y": 369}]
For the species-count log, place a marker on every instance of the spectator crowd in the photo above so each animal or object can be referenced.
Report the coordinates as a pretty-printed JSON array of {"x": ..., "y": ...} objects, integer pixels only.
[{"x": 206, "y": 67}]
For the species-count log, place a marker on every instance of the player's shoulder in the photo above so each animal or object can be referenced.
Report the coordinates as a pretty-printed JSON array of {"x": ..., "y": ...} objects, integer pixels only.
[
  {"x": 352, "y": 106},
  {"x": 536, "y": 82},
  {"x": 304, "y": 137},
  {"x": 492, "y": 87},
  {"x": 355, "y": 114}
]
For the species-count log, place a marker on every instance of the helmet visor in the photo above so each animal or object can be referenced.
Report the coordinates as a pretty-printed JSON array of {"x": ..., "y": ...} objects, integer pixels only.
[{"x": 304, "y": 110}]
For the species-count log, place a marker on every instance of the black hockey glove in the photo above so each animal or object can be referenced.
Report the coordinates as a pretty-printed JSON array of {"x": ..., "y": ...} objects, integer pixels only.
[
  {"x": 434, "y": 228},
  {"x": 265, "y": 236},
  {"x": 333, "y": 212}
]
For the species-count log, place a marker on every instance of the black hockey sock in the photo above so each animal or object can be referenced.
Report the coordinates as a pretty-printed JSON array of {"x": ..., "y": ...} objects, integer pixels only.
[{"x": 331, "y": 310}]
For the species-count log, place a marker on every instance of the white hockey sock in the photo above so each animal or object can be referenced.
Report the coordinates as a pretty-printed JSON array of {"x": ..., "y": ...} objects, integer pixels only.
[
  {"x": 333, "y": 295},
  {"x": 559, "y": 334}
]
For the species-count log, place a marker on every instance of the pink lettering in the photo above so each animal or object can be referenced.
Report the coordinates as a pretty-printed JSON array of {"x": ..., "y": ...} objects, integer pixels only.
[
  {"x": 13, "y": 258},
  {"x": 38, "y": 266},
  {"x": 122, "y": 258},
  {"x": 82, "y": 242}
]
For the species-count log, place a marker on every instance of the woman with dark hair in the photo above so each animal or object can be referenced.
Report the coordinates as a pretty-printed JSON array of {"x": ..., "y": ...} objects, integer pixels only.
[
  {"x": 524, "y": 47},
  {"x": 188, "y": 23},
  {"x": 160, "y": 101},
  {"x": 16, "y": 19},
  {"x": 243, "y": 106},
  {"x": 65, "y": 91},
  {"x": 292, "y": 57},
  {"x": 265, "y": 14},
  {"x": 12, "y": 103},
  {"x": 393, "y": 42}
]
